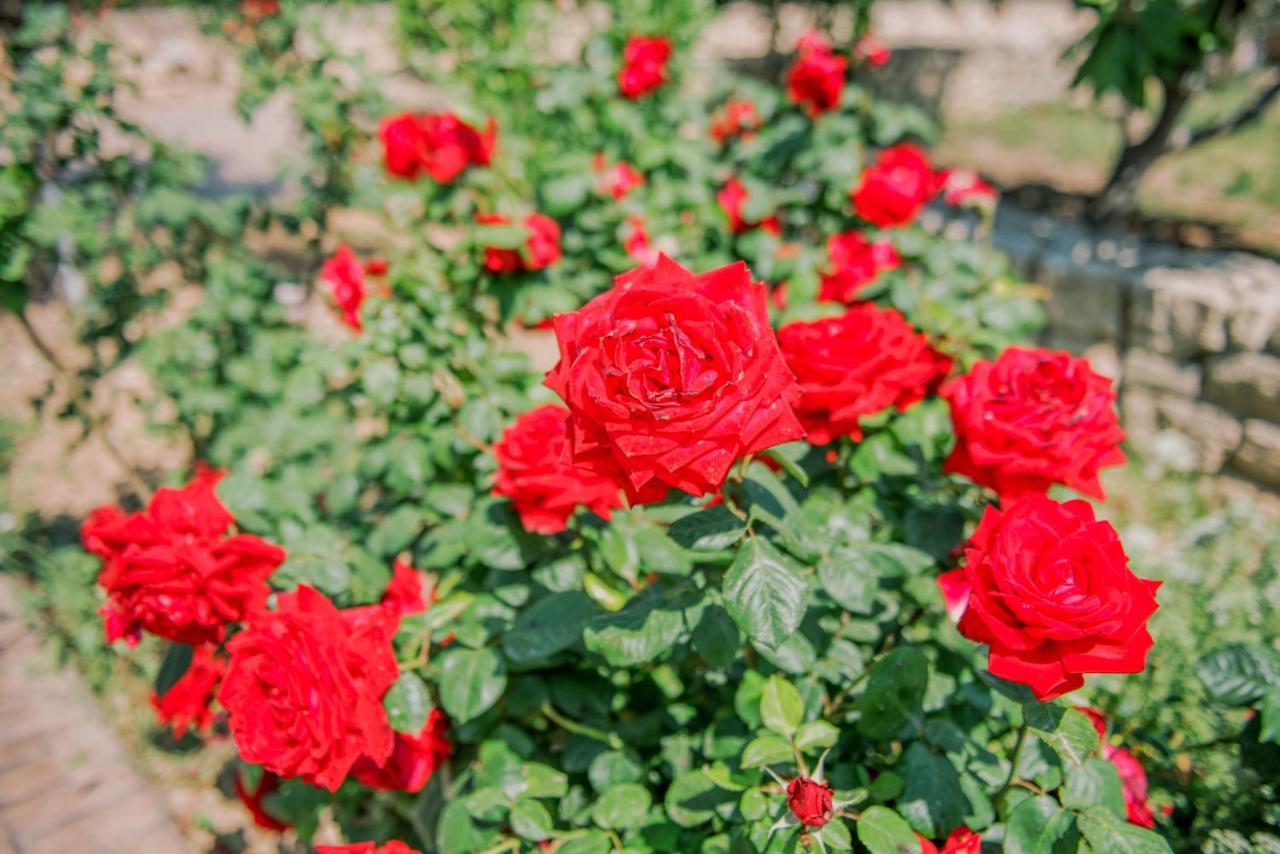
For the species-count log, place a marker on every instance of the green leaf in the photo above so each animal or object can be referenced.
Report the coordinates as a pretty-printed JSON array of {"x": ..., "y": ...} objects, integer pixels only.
[
  {"x": 1034, "y": 825},
  {"x": 530, "y": 820},
  {"x": 1237, "y": 675},
  {"x": 1269, "y": 712},
  {"x": 767, "y": 750},
  {"x": 716, "y": 637},
  {"x": 932, "y": 800},
  {"x": 895, "y": 691},
  {"x": 1067, "y": 731},
  {"x": 883, "y": 831},
  {"x": 835, "y": 835},
  {"x": 177, "y": 658},
  {"x": 643, "y": 630},
  {"x": 550, "y": 626},
  {"x": 764, "y": 593},
  {"x": 588, "y": 842},
  {"x": 623, "y": 806},
  {"x": 709, "y": 530},
  {"x": 543, "y": 781},
  {"x": 1095, "y": 783},
  {"x": 471, "y": 681},
  {"x": 457, "y": 833},
  {"x": 613, "y": 767},
  {"x": 500, "y": 236},
  {"x": 816, "y": 735},
  {"x": 397, "y": 531},
  {"x": 849, "y": 579},
  {"x": 1105, "y": 832},
  {"x": 781, "y": 708},
  {"x": 692, "y": 799},
  {"x": 407, "y": 703}
]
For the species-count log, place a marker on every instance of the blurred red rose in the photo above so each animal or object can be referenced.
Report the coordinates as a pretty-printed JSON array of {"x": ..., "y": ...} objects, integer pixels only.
[
  {"x": 404, "y": 594},
  {"x": 961, "y": 841},
  {"x": 173, "y": 571},
  {"x": 963, "y": 187},
  {"x": 188, "y": 704},
  {"x": 438, "y": 144},
  {"x": 892, "y": 190},
  {"x": 732, "y": 196},
  {"x": 617, "y": 179},
  {"x": 1031, "y": 419},
  {"x": 255, "y": 801},
  {"x": 735, "y": 118},
  {"x": 816, "y": 80},
  {"x": 413, "y": 759},
  {"x": 855, "y": 365},
  {"x": 670, "y": 377},
  {"x": 393, "y": 846},
  {"x": 637, "y": 244},
  {"x": 872, "y": 51},
  {"x": 644, "y": 65},
  {"x": 1134, "y": 780},
  {"x": 542, "y": 247},
  {"x": 304, "y": 688},
  {"x": 1052, "y": 595},
  {"x": 809, "y": 801},
  {"x": 855, "y": 261},
  {"x": 344, "y": 275},
  {"x": 536, "y": 472}
]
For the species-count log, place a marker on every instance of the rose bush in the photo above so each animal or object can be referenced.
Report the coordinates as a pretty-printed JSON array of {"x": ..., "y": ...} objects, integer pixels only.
[{"x": 677, "y": 587}]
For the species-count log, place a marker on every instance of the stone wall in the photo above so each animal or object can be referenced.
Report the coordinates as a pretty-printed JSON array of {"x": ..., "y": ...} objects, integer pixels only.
[{"x": 1192, "y": 337}]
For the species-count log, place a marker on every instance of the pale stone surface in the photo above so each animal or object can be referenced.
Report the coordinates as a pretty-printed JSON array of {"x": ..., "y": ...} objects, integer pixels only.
[
  {"x": 1259, "y": 454},
  {"x": 1248, "y": 384},
  {"x": 1152, "y": 370},
  {"x": 1215, "y": 432}
]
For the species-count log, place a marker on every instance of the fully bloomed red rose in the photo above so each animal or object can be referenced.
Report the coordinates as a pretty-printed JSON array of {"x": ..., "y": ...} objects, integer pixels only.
[
  {"x": 855, "y": 365},
  {"x": 541, "y": 248},
  {"x": 1052, "y": 595},
  {"x": 816, "y": 80},
  {"x": 735, "y": 118},
  {"x": 855, "y": 262},
  {"x": 304, "y": 688},
  {"x": 173, "y": 571},
  {"x": 809, "y": 801},
  {"x": 732, "y": 196},
  {"x": 437, "y": 144},
  {"x": 894, "y": 188},
  {"x": 962, "y": 840},
  {"x": 644, "y": 65},
  {"x": 670, "y": 377},
  {"x": 344, "y": 275},
  {"x": 536, "y": 472},
  {"x": 1031, "y": 419},
  {"x": 255, "y": 801},
  {"x": 188, "y": 702},
  {"x": 413, "y": 759},
  {"x": 393, "y": 846}
]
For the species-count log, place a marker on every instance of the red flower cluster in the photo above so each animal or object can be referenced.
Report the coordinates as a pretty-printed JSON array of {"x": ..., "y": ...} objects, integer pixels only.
[
  {"x": 670, "y": 377},
  {"x": 1031, "y": 419},
  {"x": 894, "y": 188},
  {"x": 394, "y": 846},
  {"x": 961, "y": 841},
  {"x": 731, "y": 198},
  {"x": 413, "y": 760},
  {"x": 304, "y": 688},
  {"x": 735, "y": 118},
  {"x": 536, "y": 472},
  {"x": 1052, "y": 595},
  {"x": 1133, "y": 778},
  {"x": 438, "y": 144},
  {"x": 856, "y": 365},
  {"x": 816, "y": 80},
  {"x": 541, "y": 249},
  {"x": 809, "y": 801},
  {"x": 187, "y": 703},
  {"x": 618, "y": 179},
  {"x": 644, "y": 65},
  {"x": 344, "y": 274},
  {"x": 855, "y": 261},
  {"x": 173, "y": 571}
]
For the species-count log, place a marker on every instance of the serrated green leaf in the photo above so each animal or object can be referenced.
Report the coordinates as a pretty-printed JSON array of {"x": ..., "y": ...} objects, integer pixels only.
[
  {"x": 407, "y": 703},
  {"x": 781, "y": 708},
  {"x": 1067, "y": 731},
  {"x": 766, "y": 750},
  {"x": 764, "y": 593},
  {"x": 1237, "y": 675},
  {"x": 1095, "y": 783},
  {"x": 1105, "y": 832},
  {"x": 530, "y": 820},
  {"x": 624, "y": 805},
  {"x": 895, "y": 691},
  {"x": 932, "y": 801},
  {"x": 550, "y": 626},
  {"x": 816, "y": 735},
  {"x": 883, "y": 831},
  {"x": 471, "y": 681}
]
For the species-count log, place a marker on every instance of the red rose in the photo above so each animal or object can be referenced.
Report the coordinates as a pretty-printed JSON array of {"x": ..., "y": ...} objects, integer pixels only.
[
  {"x": 736, "y": 118},
  {"x": 394, "y": 846},
  {"x": 637, "y": 243},
  {"x": 188, "y": 702},
  {"x": 257, "y": 9},
  {"x": 1031, "y": 419},
  {"x": 872, "y": 51},
  {"x": 439, "y": 144},
  {"x": 413, "y": 759},
  {"x": 670, "y": 377},
  {"x": 172, "y": 570},
  {"x": 855, "y": 262},
  {"x": 816, "y": 80},
  {"x": 961, "y": 841},
  {"x": 1133, "y": 779},
  {"x": 345, "y": 277},
  {"x": 254, "y": 801},
  {"x": 810, "y": 801},
  {"x": 304, "y": 689},
  {"x": 855, "y": 365},
  {"x": 404, "y": 595},
  {"x": 894, "y": 188},
  {"x": 962, "y": 187},
  {"x": 536, "y": 472},
  {"x": 1052, "y": 595},
  {"x": 1096, "y": 718},
  {"x": 731, "y": 198},
  {"x": 644, "y": 65},
  {"x": 617, "y": 179},
  {"x": 542, "y": 248}
]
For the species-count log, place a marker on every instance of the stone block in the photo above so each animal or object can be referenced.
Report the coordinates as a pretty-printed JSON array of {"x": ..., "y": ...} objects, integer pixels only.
[
  {"x": 1084, "y": 299},
  {"x": 1247, "y": 384},
  {"x": 1139, "y": 416},
  {"x": 1151, "y": 370},
  {"x": 1259, "y": 454},
  {"x": 1215, "y": 433},
  {"x": 1181, "y": 312}
]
